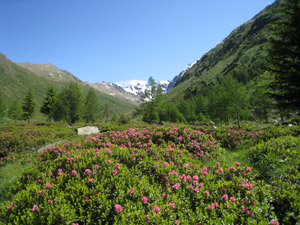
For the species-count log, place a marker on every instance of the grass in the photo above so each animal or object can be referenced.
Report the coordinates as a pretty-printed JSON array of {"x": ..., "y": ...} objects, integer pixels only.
[{"x": 8, "y": 176}]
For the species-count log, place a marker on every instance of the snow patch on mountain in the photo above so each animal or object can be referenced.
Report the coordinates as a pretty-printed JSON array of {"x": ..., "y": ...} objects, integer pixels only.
[{"x": 176, "y": 78}]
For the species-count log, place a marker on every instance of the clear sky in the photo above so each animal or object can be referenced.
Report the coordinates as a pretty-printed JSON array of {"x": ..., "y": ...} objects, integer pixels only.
[{"x": 119, "y": 40}]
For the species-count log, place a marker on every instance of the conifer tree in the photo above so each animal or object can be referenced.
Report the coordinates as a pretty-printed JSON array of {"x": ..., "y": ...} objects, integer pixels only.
[
  {"x": 15, "y": 111},
  {"x": 28, "y": 106},
  {"x": 284, "y": 56},
  {"x": 48, "y": 103},
  {"x": 2, "y": 107},
  {"x": 92, "y": 110}
]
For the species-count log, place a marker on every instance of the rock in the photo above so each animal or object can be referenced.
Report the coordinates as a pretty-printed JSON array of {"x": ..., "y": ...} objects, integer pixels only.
[
  {"x": 50, "y": 145},
  {"x": 88, "y": 130}
]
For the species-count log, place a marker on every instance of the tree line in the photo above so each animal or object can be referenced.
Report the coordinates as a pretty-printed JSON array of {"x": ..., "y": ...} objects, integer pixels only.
[{"x": 69, "y": 105}]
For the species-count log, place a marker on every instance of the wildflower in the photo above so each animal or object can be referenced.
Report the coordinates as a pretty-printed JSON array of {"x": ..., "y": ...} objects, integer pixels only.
[
  {"x": 144, "y": 199},
  {"x": 87, "y": 171},
  {"x": 237, "y": 163},
  {"x": 186, "y": 166},
  {"x": 206, "y": 192},
  {"x": 48, "y": 185},
  {"x": 74, "y": 172},
  {"x": 165, "y": 195},
  {"x": 232, "y": 199},
  {"x": 195, "y": 177},
  {"x": 176, "y": 186},
  {"x": 34, "y": 208},
  {"x": 274, "y": 222},
  {"x": 178, "y": 222},
  {"x": 172, "y": 205},
  {"x": 117, "y": 165},
  {"x": 114, "y": 171},
  {"x": 131, "y": 191},
  {"x": 225, "y": 196},
  {"x": 196, "y": 189},
  {"x": 156, "y": 208},
  {"x": 217, "y": 163},
  {"x": 118, "y": 208},
  {"x": 90, "y": 180}
]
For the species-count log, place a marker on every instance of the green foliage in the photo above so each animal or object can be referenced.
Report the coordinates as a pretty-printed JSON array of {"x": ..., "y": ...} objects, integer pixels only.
[
  {"x": 284, "y": 55},
  {"x": 92, "y": 111},
  {"x": 124, "y": 119},
  {"x": 71, "y": 102},
  {"x": 49, "y": 102},
  {"x": 271, "y": 157},
  {"x": 15, "y": 111},
  {"x": 2, "y": 106},
  {"x": 29, "y": 105}
]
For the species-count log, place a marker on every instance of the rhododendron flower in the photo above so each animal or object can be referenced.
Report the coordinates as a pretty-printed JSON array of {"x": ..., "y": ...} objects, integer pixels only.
[
  {"x": 131, "y": 191},
  {"x": 74, "y": 172},
  {"x": 237, "y": 163},
  {"x": 188, "y": 177},
  {"x": 195, "y": 177},
  {"x": 48, "y": 185},
  {"x": 165, "y": 195},
  {"x": 34, "y": 208},
  {"x": 221, "y": 169},
  {"x": 117, "y": 165},
  {"x": 196, "y": 189},
  {"x": 156, "y": 208},
  {"x": 165, "y": 164},
  {"x": 186, "y": 166},
  {"x": 206, "y": 192},
  {"x": 172, "y": 205},
  {"x": 253, "y": 202},
  {"x": 87, "y": 171},
  {"x": 176, "y": 186},
  {"x": 178, "y": 222},
  {"x": 114, "y": 171},
  {"x": 217, "y": 163},
  {"x": 274, "y": 222},
  {"x": 249, "y": 169},
  {"x": 118, "y": 208},
  {"x": 232, "y": 199},
  {"x": 225, "y": 196},
  {"x": 108, "y": 151},
  {"x": 90, "y": 180},
  {"x": 144, "y": 199}
]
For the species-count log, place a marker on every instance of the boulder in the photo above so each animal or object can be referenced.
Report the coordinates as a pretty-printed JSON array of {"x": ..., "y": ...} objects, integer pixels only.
[{"x": 88, "y": 130}]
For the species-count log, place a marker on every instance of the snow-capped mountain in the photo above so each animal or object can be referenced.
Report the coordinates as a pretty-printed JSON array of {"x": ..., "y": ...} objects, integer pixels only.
[
  {"x": 116, "y": 91},
  {"x": 137, "y": 87},
  {"x": 175, "y": 79}
]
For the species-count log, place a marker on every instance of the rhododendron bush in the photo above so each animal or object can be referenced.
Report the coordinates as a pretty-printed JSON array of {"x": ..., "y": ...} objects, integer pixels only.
[{"x": 157, "y": 175}]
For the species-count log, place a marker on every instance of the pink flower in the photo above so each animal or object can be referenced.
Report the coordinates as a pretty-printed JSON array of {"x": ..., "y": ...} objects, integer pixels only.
[
  {"x": 156, "y": 208},
  {"x": 221, "y": 169},
  {"x": 249, "y": 169},
  {"x": 206, "y": 192},
  {"x": 178, "y": 222},
  {"x": 237, "y": 163},
  {"x": 90, "y": 180},
  {"x": 274, "y": 222},
  {"x": 217, "y": 163},
  {"x": 108, "y": 151},
  {"x": 176, "y": 186},
  {"x": 48, "y": 185},
  {"x": 186, "y": 166},
  {"x": 118, "y": 208},
  {"x": 245, "y": 209},
  {"x": 34, "y": 208},
  {"x": 188, "y": 177},
  {"x": 195, "y": 177},
  {"x": 165, "y": 164},
  {"x": 118, "y": 166},
  {"x": 196, "y": 189},
  {"x": 253, "y": 202},
  {"x": 74, "y": 172},
  {"x": 144, "y": 199},
  {"x": 87, "y": 171},
  {"x": 114, "y": 171},
  {"x": 225, "y": 196},
  {"x": 232, "y": 199},
  {"x": 165, "y": 195},
  {"x": 172, "y": 205},
  {"x": 131, "y": 191}
]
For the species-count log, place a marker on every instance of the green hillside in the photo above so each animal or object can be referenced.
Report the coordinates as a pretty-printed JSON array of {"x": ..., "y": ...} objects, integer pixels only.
[
  {"x": 15, "y": 80},
  {"x": 242, "y": 54}
]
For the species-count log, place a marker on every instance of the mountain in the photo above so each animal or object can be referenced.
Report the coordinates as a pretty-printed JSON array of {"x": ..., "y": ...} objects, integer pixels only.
[
  {"x": 116, "y": 91},
  {"x": 178, "y": 76},
  {"x": 242, "y": 54},
  {"x": 15, "y": 78},
  {"x": 137, "y": 87}
]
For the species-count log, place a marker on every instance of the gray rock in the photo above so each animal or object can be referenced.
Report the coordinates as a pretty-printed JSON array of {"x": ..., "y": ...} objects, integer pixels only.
[
  {"x": 88, "y": 130},
  {"x": 50, "y": 145}
]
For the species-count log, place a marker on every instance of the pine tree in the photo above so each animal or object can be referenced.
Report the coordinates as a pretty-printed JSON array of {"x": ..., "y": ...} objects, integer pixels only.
[
  {"x": 284, "y": 56},
  {"x": 15, "y": 111},
  {"x": 28, "y": 105},
  {"x": 71, "y": 101},
  {"x": 92, "y": 110},
  {"x": 2, "y": 107},
  {"x": 48, "y": 103}
]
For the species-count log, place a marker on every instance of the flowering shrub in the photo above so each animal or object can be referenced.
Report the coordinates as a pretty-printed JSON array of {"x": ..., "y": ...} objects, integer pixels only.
[{"x": 142, "y": 176}]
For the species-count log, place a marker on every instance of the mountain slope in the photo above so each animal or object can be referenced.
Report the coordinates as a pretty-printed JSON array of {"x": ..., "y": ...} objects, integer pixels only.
[
  {"x": 242, "y": 54},
  {"x": 15, "y": 80}
]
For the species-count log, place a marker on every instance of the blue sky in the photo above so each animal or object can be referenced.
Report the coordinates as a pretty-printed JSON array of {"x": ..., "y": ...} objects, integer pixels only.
[{"x": 119, "y": 40}]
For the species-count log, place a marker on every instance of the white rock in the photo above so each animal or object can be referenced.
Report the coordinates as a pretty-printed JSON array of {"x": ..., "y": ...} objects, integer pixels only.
[{"x": 88, "y": 130}]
